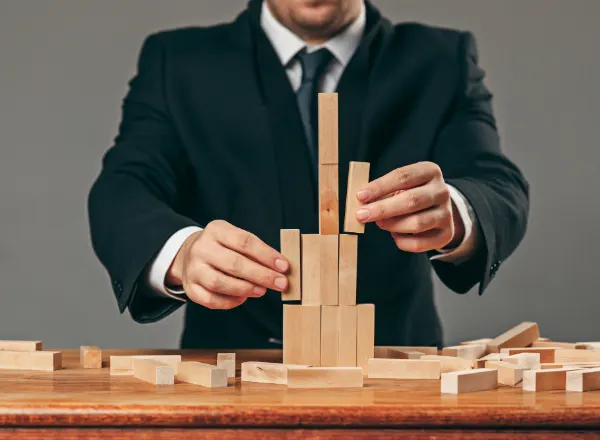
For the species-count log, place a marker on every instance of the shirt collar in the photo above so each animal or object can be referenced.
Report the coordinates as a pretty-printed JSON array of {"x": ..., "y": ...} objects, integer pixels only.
[{"x": 287, "y": 44}]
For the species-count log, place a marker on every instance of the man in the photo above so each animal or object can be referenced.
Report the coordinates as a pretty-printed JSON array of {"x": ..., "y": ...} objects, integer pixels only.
[{"x": 216, "y": 153}]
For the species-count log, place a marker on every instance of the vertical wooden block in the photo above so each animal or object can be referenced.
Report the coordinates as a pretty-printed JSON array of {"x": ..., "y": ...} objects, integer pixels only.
[
  {"x": 348, "y": 269},
  {"x": 508, "y": 374},
  {"x": 358, "y": 176},
  {"x": 545, "y": 380},
  {"x": 21, "y": 345},
  {"x": 319, "y": 270},
  {"x": 154, "y": 372},
  {"x": 90, "y": 357},
  {"x": 474, "y": 351},
  {"x": 328, "y": 128},
  {"x": 348, "y": 336},
  {"x": 365, "y": 335},
  {"x": 329, "y": 212},
  {"x": 583, "y": 380},
  {"x": 459, "y": 382},
  {"x": 227, "y": 361},
  {"x": 302, "y": 335},
  {"x": 546, "y": 353},
  {"x": 449, "y": 363},
  {"x": 330, "y": 336},
  {"x": 205, "y": 375},
  {"x": 404, "y": 369},
  {"x": 522, "y": 335},
  {"x": 30, "y": 360},
  {"x": 290, "y": 248},
  {"x": 325, "y": 377},
  {"x": 266, "y": 372}
]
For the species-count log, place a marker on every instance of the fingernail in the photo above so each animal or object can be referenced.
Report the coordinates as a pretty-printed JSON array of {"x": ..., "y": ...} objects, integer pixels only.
[
  {"x": 281, "y": 282},
  {"x": 363, "y": 195},
  {"x": 259, "y": 291},
  {"x": 281, "y": 265},
  {"x": 362, "y": 214}
]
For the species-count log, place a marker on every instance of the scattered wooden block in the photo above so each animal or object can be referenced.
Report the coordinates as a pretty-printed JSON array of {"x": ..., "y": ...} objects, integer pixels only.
[
  {"x": 392, "y": 353},
  {"x": 123, "y": 365},
  {"x": 325, "y": 377},
  {"x": 583, "y": 380},
  {"x": 265, "y": 372},
  {"x": 527, "y": 361},
  {"x": 348, "y": 335},
  {"x": 330, "y": 336},
  {"x": 460, "y": 382},
  {"x": 545, "y": 380},
  {"x": 90, "y": 357},
  {"x": 587, "y": 345},
  {"x": 154, "y": 372},
  {"x": 474, "y": 351},
  {"x": 302, "y": 334},
  {"x": 566, "y": 355},
  {"x": 205, "y": 375},
  {"x": 477, "y": 341},
  {"x": 21, "y": 345},
  {"x": 365, "y": 334},
  {"x": 547, "y": 354},
  {"x": 550, "y": 366},
  {"x": 227, "y": 361},
  {"x": 290, "y": 249},
  {"x": 319, "y": 270},
  {"x": 30, "y": 360},
  {"x": 522, "y": 335},
  {"x": 358, "y": 176},
  {"x": 508, "y": 374},
  {"x": 404, "y": 369},
  {"x": 449, "y": 363},
  {"x": 328, "y": 128},
  {"x": 543, "y": 339},
  {"x": 552, "y": 344},
  {"x": 383, "y": 351},
  {"x": 348, "y": 269},
  {"x": 329, "y": 219}
]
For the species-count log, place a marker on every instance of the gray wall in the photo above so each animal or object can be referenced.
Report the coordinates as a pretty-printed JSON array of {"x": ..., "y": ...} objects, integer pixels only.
[{"x": 64, "y": 67}]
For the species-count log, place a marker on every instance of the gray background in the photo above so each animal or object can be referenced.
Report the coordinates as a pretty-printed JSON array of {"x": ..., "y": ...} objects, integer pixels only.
[{"x": 64, "y": 67}]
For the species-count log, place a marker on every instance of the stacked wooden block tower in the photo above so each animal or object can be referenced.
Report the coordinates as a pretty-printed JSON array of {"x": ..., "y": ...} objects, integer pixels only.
[{"x": 328, "y": 328}]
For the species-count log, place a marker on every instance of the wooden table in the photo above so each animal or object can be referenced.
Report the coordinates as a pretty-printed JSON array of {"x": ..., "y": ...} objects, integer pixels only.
[{"x": 90, "y": 404}]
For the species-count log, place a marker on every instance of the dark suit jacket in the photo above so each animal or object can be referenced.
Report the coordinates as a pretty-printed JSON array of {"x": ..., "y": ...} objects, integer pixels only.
[{"x": 211, "y": 130}]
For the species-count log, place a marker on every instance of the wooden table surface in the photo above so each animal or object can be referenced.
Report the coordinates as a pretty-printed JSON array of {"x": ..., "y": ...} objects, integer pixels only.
[{"x": 78, "y": 403}]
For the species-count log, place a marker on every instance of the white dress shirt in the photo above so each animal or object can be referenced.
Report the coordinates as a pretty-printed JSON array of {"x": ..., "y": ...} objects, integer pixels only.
[{"x": 287, "y": 45}]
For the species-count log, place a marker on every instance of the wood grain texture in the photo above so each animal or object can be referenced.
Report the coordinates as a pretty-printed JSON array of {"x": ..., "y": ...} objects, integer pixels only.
[
  {"x": 21, "y": 345},
  {"x": 290, "y": 249},
  {"x": 328, "y": 128},
  {"x": 330, "y": 336},
  {"x": 325, "y": 377},
  {"x": 90, "y": 357},
  {"x": 583, "y": 380},
  {"x": 566, "y": 355},
  {"x": 123, "y": 365},
  {"x": 404, "y": 369},
  {"x": 199, "y": 373},
  {"x": 521, "y": 335},
  {"x": 348, "y": 336},
  {"x": 473, "y": 351},
  {"x": 302, "y": 335},
  {"x": 469, "y": 381},
  {"x": 388, "y": 351},
  {"x": 348, "y": 261},
  {"x": 449, "y": 363},
  {"x": 546, "y": 353},
  {"x": 545, "y": 380},
  {"x": 319, "y": 270},
  {"x": 153, "y": 372},
  {"x": 539, "y": 343},
  {"x": 365, "y": 335},
  {"x": 329, "y": 212},
  {"x": 30, "y": 360},
  {"x": 358, "y": 176},
  {"x": 227, "y": 361},
  {"x": 267, "y": 372}
]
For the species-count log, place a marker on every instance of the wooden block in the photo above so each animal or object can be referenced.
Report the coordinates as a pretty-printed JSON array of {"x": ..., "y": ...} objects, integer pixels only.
[
  {"x": 328, "y": 128},
  {"x": 123, "y": 365},
  {"x": 566, "y": 355},
  {"x": 302, "y": 335},
  {"x": 227, "y": 361},
  {"x": 365, "y": 334},
  {"x": 348, "y": 336},
  {"x": 325, "y": 377},
  {"x": 522, "y": 335},
  {"x": 205, "y": 375},
  {"x": 154, "y": 372},
  {"x": 587, "y": 345},
  {"x": 540, "y": 339},
  {"x": 21, "y": 345},
  {"x": 290, "y": 249},
  {"x": 330, "y": 336},
  {"x": 404, "y": 369},
  {"x": 319, "y": 270},
  {"x": 477, "y": 341},
  {"x": 329, "y": 213},
  {"x": 449, "y": 363},
  {"x": 546, "y": 353},
  {"x": 90, "y": 357},
  {"x": 392, "y": 353},
  {"x": 474, "y": 351},
  {"x": 460, "y": 382},
  {"x": 552, "y": 344},
  {"x": 358, "y": 176},
  {"x": 550, "y": 366},
  {"x": 508, "y": 374},
  {"x": 528, "y": 361},
  {"x": 583, "y": 380},
  {"x": 387, "y": 351},
  {"x": 30, "y": 360},
  {"x": 348, "y": 269},
  {"x": 545, "y": 380},
  {"x": 266, "y": 372}
]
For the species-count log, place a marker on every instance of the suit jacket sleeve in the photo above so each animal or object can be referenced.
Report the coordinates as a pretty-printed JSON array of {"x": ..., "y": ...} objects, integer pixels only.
[
  {"x": 468, "y": 152},
  {"x": 134, "y": 206}
]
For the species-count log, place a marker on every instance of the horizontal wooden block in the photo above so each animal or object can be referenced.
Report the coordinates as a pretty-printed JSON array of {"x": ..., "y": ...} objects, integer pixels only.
[
  {"x": 583, "y": 380},
  {"x": 552, "y": 344},
  {"x": 545, "y": 380},
  {"x": 348, "y": 261},
  {"x": 123, "y": 365},
  {"x": 404, "y": 369},
  {"x": 587, "y": 345},
  {"x": 198, "y": 373},
  {"x": 392, "y": 353},
  {"x": 328, "y": 128},
  {"x": 320, "y": 270},
  {"x": 508, "y": 374},
  {"x": 325, "y": 377},
  {"x": 90, "y": 357},
  {"x": 566, "y": 355},
  {"x": 266, "y": 372},
  {"x": 470, "y": 381},
  {"x": 546, "y": 353},
  {"x": 30, "y": 360},
  {"x": 477, "y": 341},
  {"x": 528, "y": 361},
  {"x": 154, "y": 372},
  {"x": 474, "y": 351},
  {"x": 521, "y": 335},
  {"x": 227, "y": 361},
  {"x": 449, "y": 363},
  {"x": 290, "y": 249},
  {"x": 365, "y": 335},
  {"x": 358, "y": 177},
  {"x": 387, "y": 351},
  {"x": 329, "y": 212},
  {"x": 302, "y": 335},
  {"x": 21, "y": 345}
]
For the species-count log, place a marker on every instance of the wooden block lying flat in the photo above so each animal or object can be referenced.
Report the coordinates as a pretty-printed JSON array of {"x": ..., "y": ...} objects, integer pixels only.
[
  {"x": 477, "y": 341},
  {"x": 227, "y": 361},
  {"x": 348, "y": 269},
  {"x": 528, "y": 361},
  {"x": 522, "y": 335},
  {"x": 469, "y": 381},
  {"x": 290, "y": 249},
  {"x": 545, "y": 380},
  {"x": 30, "y": 360},
  {"x": 474, "y": 351},
  {"x": 330, "y": 336},
  {"x": 365, "y": 334},
  {"x": 546, "y": 353},
  {"x": 320, "y": 270},
  {"x": 329, "y": 213},
  {"x": 154, "y": 372},
  {"x": 540, "y": 339},
  {"x": 404, "y": 369},
  {"x": 583, "y": 380},
  {"x": 266, "y": 372},
  {"x": 392, "y": 353},
  {"x": 205, "y": 375},
  {"x": 123, "y": 365},
  {"x": 552, "y": 344},
  {"x": 587, "y": 345},
  {"x": 302, "y": 335},
  {"x": 90, "y": 357},
  {"x": 325, "y": 377},
  {"x": 348, "y": 335},
  {"x": 449, "y": 363},
  {"x": 21, "y": 345},
  {"x": 508, "y": 374},
  {"x": 328, "y": 128},
  {"x": 387, "y": 351},
  {"x": 358, "y": 176},
  {"x": 577, "y": 355}
]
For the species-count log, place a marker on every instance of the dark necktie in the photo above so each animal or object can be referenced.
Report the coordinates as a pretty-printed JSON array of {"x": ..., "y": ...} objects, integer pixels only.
[{"x": 313, "y": 67}]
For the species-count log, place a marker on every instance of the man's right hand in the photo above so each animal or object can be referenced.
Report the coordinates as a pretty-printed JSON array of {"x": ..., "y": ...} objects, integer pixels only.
[{"x": 222, "y": 266}]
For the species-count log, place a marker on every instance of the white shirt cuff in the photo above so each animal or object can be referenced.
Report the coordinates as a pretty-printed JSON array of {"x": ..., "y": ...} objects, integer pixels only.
[
  {"x": 157, "y": 270},
  {"x": 468, "y": 245}
]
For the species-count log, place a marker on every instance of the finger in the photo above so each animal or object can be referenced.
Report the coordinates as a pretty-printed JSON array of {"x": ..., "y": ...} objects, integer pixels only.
[
  {"x": 218, "y": 282},
  {"x": 426, "y": 241},
  {"x": 403, "y": 178},
  {"x": 211, "y": 300},
  {"x": 431, "y": 218}
]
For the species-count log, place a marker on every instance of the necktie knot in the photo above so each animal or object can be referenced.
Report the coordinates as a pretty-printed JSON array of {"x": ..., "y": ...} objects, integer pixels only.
[{"x": 313, "y": 64}]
